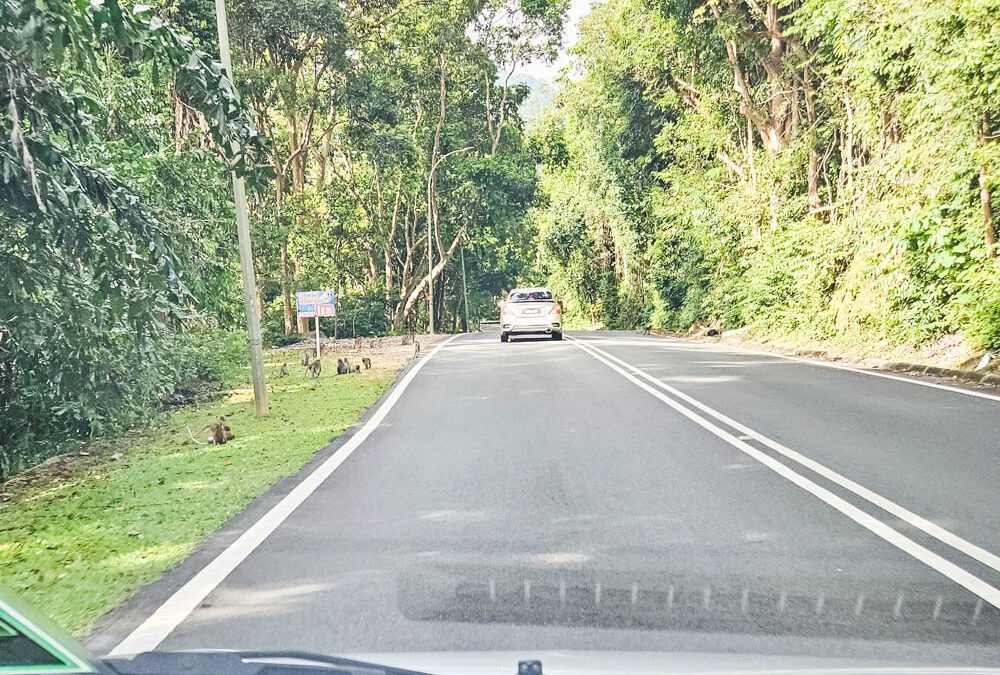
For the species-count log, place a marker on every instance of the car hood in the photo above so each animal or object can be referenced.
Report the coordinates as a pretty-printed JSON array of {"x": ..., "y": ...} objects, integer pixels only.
[{"x": 641, "y": 663}]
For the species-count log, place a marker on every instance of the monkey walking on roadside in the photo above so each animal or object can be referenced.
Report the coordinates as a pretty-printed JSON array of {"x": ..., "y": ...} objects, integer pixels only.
[
  {"x": 305, "y": 358},
  {"x": 647, "y": 330},
  {"x": 371, "y": 344},
  {"x": 416, "y": 348},
  {"x": 359, "y": 342},
  {"x": 316, "y": 367},
  {"x": 283, "y": 371},
  {"x": 341, "y": 367},
  {"x": 367, "y": 362}
]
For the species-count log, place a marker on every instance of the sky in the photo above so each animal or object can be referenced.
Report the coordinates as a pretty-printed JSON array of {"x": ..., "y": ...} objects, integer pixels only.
[{"x": 548, "y": 71}]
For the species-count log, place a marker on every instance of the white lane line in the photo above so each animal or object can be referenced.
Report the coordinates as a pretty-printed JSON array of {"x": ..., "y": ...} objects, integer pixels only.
[
  {"x": 179, "y": 606},
  {"x": 815, "y": 362},
  {"x": 926, "y": 526},
  {"x": 874, "y": 525}
]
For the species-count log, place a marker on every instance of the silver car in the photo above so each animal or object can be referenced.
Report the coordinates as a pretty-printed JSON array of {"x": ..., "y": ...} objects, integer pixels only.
[{"x": 530, "y": 311}]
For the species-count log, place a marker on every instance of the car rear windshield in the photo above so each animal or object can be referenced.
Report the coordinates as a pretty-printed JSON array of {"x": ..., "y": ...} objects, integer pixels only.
[{"x": 530, "y": 296}]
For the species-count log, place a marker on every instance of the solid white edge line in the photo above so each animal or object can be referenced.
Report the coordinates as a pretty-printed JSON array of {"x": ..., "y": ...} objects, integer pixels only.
[
  {"x": 926, "y": 526},
  {"x": 877, "y": 527},
  {"x": 155, "y": 629},
  {"x": 722, "y": 346}
]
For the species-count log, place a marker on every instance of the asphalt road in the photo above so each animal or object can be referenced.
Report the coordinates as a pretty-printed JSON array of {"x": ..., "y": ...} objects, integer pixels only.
[{"x": 616, "y": 492}]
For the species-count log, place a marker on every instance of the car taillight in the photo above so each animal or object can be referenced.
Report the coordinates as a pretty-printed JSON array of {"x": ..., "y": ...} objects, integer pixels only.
[{"x": 556, "y": 309}]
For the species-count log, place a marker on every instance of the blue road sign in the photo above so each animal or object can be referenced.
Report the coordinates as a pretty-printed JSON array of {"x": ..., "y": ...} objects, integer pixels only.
[{"x": 309, "y": 303}]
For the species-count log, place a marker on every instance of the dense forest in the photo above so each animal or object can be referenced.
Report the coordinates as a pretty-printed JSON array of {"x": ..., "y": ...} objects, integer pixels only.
[
  {"x": 377, "y": 136},
  {"x": 822, "y": 168}
]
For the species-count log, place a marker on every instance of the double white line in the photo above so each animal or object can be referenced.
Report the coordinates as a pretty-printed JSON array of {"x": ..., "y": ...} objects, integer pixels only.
[{"x": 653, "y": 386}]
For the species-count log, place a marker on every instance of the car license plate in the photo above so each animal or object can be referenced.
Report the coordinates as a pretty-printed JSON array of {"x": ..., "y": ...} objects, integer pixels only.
[{"x": 532, "y": 310}]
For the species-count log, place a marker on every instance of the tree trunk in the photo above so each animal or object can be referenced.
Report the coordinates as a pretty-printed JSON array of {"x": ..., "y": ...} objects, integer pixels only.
[
  {"x": 325, "y": 149},
  {"x": 432, "y": 221},
  {"x": 984, "y": 199},
  {"x": 286, "y": 291},
  {"x": 812, "y": 173},
  {"x": 420, "y": 283},
  {"x": 390, "y": 241},
  {"x": 989, "y": 233},
  {"x": 179, "y": 127},
  {"x": 286, "y": 285},
  {"x": 303, "y": 324},
  {"x": 779, "y": 97},
  {"x": 848, "y": 151},
  {"x": 440, "y": 299}
]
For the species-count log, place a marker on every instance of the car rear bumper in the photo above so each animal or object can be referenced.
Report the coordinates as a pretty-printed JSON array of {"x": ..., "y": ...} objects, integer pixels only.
[{"x": 518, "y": 327}]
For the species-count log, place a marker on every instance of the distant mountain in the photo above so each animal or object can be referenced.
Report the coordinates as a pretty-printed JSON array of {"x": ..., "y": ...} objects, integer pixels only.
[{"x": 540, "y": 98}]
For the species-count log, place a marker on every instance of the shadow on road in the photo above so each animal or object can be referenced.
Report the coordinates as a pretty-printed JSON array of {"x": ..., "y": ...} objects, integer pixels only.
[
  {"x": 530, "y": 338},
  {"x": 677, "y": 601}
]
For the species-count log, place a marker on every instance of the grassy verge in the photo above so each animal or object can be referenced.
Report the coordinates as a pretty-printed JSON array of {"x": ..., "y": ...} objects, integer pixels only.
[{"x": 83, "y": 534}]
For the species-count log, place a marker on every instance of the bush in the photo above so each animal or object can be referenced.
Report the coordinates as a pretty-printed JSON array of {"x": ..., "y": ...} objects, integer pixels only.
[
  {"x": 208, "y": 361},
  {"x": 984, "y": 325}
]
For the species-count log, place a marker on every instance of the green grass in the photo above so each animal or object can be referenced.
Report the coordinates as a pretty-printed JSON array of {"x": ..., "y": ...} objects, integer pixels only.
[{"x": 79, "y": 539}]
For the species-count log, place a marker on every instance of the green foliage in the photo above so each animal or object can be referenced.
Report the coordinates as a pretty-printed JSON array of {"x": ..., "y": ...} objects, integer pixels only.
[
  {"x": 96, "y": 279},
  {"x": 984, "y": 324},
  {"x": 362, "y": 314},
  {"x": 819, "y": 176},
  {"x": 208, "y": 362}
]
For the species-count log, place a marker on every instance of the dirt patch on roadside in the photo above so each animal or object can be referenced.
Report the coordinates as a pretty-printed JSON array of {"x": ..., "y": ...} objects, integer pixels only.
[
  {"x": 61, "y": 469},
  {"x": 385, "y": 352}
]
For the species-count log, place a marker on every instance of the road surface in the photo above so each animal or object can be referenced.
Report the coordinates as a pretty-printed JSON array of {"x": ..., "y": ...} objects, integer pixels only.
[{"x": 619, "y": 492}]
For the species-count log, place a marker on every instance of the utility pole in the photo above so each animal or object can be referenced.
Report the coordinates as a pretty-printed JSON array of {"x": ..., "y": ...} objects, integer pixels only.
[
  {"x": 465, "y": 293},
  {"x": 243, "y": 234}
]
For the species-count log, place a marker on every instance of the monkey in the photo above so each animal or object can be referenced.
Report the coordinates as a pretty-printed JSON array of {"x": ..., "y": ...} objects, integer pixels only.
[
  {"x": 407, "y": 339},
  {"x": 341, "y": 366},
  {"x": 647, "y": 330},
  {"x": 356, "y": 369},
  {"x": 221, "y": 432},
  {"x": 367, "y": 362},
  {"x": 359, "y": 342},
  {"x": 226, "y": 428},
  {"x": 218, "y": 434},
  {"x": 416, "y": 349},
  {"x": 305, "y": 358},
  {"x": 316, "y": 367},
  {"x": 371, "y": 344},
  {"x": 283, "y": 371}
]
